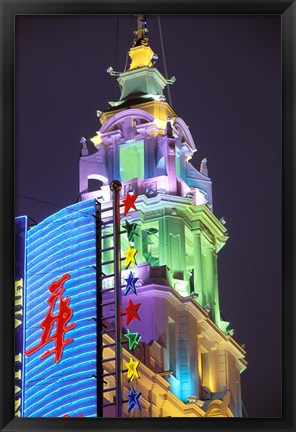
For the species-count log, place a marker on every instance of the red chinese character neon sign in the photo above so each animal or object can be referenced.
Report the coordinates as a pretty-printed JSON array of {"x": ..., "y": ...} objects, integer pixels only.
[{"x": 61, "y": 319}]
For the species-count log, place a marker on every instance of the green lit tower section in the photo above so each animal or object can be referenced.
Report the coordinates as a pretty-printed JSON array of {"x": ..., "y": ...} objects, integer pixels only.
[{"x": 148, "y": 147}]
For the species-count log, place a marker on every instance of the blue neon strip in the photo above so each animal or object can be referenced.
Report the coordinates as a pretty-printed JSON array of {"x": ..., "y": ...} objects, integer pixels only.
[{"x": 63, "y": 243}]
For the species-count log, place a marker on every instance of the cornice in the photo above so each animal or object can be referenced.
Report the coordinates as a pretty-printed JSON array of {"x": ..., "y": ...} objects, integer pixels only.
[
  {"x": 206, "y": 327},
  {"x": 198, "y": 218}
]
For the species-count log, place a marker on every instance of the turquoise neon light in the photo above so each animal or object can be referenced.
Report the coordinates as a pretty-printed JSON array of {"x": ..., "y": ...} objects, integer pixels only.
[{"x": 63, "y": 243}]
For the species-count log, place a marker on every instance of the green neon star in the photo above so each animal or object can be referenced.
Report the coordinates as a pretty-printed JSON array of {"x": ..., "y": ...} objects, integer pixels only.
[
  {"x": 131, "y": 230},
  {"x": 133, "y": 339}
]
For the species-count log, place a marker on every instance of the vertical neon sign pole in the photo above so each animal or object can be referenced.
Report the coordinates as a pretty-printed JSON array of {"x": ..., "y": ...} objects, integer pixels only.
[{"x": 115, "y": 187}]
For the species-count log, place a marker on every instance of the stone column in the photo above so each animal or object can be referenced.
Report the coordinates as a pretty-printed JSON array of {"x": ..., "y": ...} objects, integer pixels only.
[
  {"x": 184, "y": 373},
  {"x": 176, "y": 245},
  {"x": 222, "y": 367},
  {"x": 171, "y": 166},
  {"x": 116, "y": 168},
  {"x": 198, "y": 267},
  {"x": 110, "y": 159},
  {"x": 149, "y": 158},
  {"x": 215, "y": 295},
  {"x": 211, "y": 282},
  {"x": 163, "y": 242}
]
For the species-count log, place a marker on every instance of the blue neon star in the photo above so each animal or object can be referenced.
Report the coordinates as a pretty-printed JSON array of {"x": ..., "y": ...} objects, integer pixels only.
[
  {"x": 133, "y": 400},
  {"x": 131, "y": 283}
]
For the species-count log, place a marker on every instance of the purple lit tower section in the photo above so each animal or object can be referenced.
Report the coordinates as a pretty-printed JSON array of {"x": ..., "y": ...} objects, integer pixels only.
[{"x": 182, "y": 350}]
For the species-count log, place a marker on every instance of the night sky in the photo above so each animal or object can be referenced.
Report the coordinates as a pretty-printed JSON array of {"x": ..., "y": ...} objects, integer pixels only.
[{"x": 228, "y": 91}]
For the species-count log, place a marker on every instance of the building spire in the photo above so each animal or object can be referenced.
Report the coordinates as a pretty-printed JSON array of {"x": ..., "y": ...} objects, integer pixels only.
[
  {"x": 141, "y": 54},
  {"x": 141, "y": 31},
  {"x": 142, "y": 81}
]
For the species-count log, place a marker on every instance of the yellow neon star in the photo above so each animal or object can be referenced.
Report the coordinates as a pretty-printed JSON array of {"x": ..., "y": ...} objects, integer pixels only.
[
  {"x": 132, "y": 369},
  {"x": 130, "y": 255}
]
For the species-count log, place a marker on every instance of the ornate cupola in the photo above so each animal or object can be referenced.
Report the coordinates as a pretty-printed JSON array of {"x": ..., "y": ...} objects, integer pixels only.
[{"x": 142, "y": 136}]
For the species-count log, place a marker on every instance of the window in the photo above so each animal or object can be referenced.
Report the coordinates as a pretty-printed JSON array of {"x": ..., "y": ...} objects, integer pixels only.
[
  {"x": 131, "y": 160},
  {"x": 205, "y": 369},
  {"x": 150, "y": 243}
]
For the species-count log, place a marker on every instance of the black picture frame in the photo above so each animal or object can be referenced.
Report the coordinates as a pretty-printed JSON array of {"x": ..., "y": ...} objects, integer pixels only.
[{"x": 9, "y": 9}]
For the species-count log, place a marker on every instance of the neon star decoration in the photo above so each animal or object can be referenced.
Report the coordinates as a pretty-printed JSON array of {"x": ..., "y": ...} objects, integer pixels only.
[
  {"x": 131, "y": 311},
  {"x": 133, "y": 339},
  {"x": 129, "y": 202},
  {"x": 131, "y": 230},
  {"x": 133, "y": 400},
  {"x": 132, "y": 369},
  {"x": 130, "y": 256},
  {"x": 131, "y": 283}
]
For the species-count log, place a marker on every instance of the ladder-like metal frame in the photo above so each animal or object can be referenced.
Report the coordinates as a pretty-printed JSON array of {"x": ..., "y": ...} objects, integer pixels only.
[{"x": 115, "y": 187}]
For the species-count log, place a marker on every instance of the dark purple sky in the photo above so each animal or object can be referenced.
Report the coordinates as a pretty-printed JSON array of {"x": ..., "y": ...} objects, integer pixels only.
[{"x": 228, "y": 91}]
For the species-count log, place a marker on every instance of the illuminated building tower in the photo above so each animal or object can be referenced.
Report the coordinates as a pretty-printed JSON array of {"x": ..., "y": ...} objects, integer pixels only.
[
  {"x": 143, "y": 143},
  {"x": 182, "y": 350}
]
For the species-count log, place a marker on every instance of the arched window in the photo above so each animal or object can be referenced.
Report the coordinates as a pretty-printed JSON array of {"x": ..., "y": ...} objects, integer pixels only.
[
  {"x": 95, "y": 182},
  {"x": 94, "y": 185}
]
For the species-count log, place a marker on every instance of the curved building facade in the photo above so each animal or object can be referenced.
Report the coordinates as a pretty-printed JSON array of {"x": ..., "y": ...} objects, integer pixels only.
[{"x": 59, "y": 376}]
